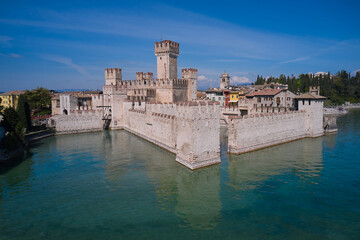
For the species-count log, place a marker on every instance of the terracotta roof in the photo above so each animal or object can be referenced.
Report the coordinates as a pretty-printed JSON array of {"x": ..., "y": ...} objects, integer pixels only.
[
  {"x": 265, "y": 92},
  {"x": 213, "y": 90},
  {"x": 82, "y": 94},
  {"x": 16, "y": 92},
  {"x": 309, "y": 96}
]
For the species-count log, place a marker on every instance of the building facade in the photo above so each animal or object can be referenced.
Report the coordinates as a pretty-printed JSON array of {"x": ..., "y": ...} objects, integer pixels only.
[
  {"x": 272, "y": 98},
  {"x": 10, "y": 99}
]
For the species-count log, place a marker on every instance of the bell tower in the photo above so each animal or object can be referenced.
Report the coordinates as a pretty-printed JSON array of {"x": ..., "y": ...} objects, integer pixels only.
[
  {"x": 166, "y": 52},
  {"x": 224, "y": 80}
]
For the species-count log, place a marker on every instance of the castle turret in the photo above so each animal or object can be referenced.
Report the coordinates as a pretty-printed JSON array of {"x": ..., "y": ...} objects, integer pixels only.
[
  {"x": 313, "y": 105},
  {"x": 224, "y": 80},
  {"x": 190, "y": 74},
  {"x": 112, "y": 76},
  {"x": 166, "y": 52}
]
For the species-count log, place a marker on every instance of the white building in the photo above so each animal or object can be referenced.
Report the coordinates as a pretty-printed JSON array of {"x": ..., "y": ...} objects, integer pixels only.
[
  {"x": 272, "y": 98},
  {"x": 216, "y": 95}
]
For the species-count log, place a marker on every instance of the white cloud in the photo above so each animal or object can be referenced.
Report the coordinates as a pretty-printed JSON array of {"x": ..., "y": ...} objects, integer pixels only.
[
  {"x": 13, "y": 55},
  {"x": 202, "y": 78},
  {"x": 240, "y": 80},
  {"x": 65, "y": 61},
  {"x": 192, "y": 29}
]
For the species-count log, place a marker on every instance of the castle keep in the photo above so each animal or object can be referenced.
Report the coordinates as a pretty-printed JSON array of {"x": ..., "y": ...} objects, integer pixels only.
[{"x": 164, "y": 111}]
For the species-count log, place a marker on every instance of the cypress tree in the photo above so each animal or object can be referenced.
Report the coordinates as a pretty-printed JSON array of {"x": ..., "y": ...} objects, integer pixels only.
[{"x": 23, "y": 111}]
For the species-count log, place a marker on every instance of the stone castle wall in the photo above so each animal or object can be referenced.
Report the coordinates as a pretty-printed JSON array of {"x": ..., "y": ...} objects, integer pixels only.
[
  {"x": 79, "y": 121},
  {"x": 257, "y": 131},
  {"x": 188, "y": 129}
]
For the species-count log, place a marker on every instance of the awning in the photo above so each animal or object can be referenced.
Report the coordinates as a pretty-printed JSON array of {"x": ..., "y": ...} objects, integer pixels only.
[{"x": 233, "y": 101}]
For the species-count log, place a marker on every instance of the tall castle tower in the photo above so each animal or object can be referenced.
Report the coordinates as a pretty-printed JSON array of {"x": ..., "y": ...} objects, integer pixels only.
[
  {"x": 191, "y": 74},
  {"x": 113, "y": 76},
  {"x": 166, "y": 52},
  {"x": 224, "y": 80}
]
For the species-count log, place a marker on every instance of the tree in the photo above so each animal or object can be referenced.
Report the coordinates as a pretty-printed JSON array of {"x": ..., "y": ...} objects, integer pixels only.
[
  {"x": 11, "y": 118},
  {"x": 39, "y": 101},
  {"x": 23, "y": 111},
  {"x": 260, "y": 80},
  {"x": 1, "y": 107}
]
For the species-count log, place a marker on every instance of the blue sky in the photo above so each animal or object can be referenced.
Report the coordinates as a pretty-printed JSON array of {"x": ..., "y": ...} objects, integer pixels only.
[{"x": 67, "y": 44}]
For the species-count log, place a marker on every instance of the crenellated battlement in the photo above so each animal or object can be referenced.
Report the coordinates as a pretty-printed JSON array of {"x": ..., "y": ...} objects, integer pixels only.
[
  {"x": 189, "y": 70},
  {"x": 180, "y": 83},
  {"x": 113, "y": 73},
  {"x": 269, "y": 114},
  {"x": 114, "y": 89},
  {"x": 85, "y": 112},
  {"x": 166, "y": 46},
  {"x": 144, "y": 76},
  {"x": 189, "y": 73}
]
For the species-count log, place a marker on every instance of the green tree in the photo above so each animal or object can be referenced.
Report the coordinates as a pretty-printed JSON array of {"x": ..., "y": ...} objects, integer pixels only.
[
  {"x": 1, "y": 107},
  {"x": 39, "y": 101},
  {"x": 23, "y": 111},
  {"x": 11, "y": 118},
  {"x": 14, "y": 127},
  {"x": 259, "y": 80}
]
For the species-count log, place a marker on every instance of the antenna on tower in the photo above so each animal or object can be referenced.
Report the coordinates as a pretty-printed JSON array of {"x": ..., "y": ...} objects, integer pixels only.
[{"x": 160, "y": 36}]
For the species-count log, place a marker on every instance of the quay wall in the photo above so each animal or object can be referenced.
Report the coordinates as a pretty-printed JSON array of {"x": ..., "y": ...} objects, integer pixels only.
[
  {"x": 251, "y": 132},
  {"x": 79, "y": 121}
]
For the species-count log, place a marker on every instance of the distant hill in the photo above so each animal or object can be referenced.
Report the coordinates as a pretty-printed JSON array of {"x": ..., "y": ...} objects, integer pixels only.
[{"x": 74, "y": 90}]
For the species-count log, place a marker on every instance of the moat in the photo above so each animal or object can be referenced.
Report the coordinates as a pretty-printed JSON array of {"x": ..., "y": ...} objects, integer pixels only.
[{"x": 114, "y": 185}]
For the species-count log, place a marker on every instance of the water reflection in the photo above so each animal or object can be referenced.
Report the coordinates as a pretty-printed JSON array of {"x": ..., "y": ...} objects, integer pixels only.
[
  {"x": 302, "y": 158},
  {"x": 193, "y": 195},
  {"x": 19, "y": 178}
]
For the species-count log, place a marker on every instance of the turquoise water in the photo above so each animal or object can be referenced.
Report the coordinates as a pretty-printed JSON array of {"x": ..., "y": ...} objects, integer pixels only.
[{"x": 114, "y": 185}]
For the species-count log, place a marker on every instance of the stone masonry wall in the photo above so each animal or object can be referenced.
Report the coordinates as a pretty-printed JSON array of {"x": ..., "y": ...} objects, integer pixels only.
[
  {"x": 257, "y": 131},
  {"x": 191, "y": 130},
  {"x": 79, "y": 121}
]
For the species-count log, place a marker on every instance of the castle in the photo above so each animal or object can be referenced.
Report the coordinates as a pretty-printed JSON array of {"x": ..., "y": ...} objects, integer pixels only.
[{"x": 164, "y": 111}]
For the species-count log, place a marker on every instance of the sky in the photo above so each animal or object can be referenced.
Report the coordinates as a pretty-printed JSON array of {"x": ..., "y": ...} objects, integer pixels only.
[{"x": 68, "y": 44}]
